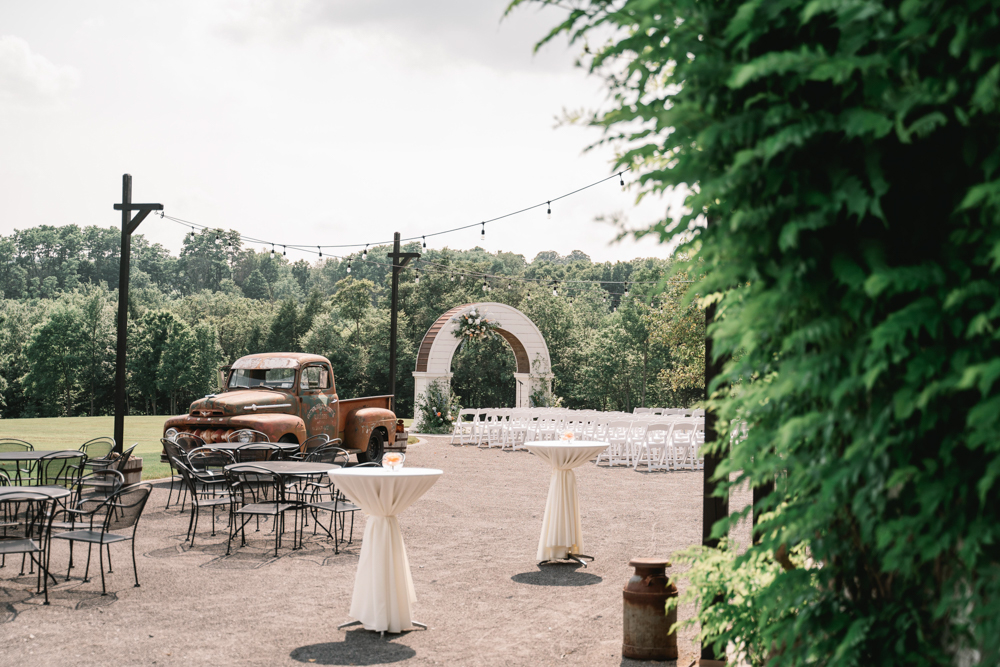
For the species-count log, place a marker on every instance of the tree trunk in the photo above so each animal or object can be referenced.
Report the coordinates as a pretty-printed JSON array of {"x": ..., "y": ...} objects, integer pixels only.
[{"x": 645, "y": 370}]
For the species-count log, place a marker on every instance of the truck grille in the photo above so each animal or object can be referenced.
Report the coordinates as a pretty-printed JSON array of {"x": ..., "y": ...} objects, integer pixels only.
[{"x": 206, "y": 413}]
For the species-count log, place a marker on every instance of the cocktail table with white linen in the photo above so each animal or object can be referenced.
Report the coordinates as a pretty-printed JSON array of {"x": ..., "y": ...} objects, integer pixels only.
[
  {"x": 383, "y": 588},
  {"x": 562, "y": 530}
]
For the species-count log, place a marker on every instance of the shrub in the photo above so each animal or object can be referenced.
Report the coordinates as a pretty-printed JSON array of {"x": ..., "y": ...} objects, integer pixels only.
[{"x": 438, "y": 408}]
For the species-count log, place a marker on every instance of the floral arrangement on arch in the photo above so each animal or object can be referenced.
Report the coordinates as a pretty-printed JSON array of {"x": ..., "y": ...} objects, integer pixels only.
[{"x": 473, "y": 325}]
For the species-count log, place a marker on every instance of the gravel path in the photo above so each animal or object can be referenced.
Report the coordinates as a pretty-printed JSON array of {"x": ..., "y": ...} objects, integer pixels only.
[{"x": 471, "y": 542}]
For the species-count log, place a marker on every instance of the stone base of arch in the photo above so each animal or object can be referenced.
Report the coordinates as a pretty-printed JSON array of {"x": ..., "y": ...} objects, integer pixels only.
[{"x": 420, "y": 383}]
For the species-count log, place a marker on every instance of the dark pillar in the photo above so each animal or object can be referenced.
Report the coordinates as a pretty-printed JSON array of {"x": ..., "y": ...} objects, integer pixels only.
[{"x": 120, "y": 350}]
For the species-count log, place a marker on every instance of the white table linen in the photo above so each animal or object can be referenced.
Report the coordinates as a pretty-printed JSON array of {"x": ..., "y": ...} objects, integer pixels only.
[
  {"x": 383, "y": 588},
  {"x": 562, "y": 530}
]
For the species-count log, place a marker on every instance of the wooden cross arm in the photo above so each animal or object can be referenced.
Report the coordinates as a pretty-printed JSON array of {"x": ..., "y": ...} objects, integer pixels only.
[{"x": 138, "y": 207}]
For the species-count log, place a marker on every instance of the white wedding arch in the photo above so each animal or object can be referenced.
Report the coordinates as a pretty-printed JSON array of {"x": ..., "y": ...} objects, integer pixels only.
[{"x": 534, "y": 367}]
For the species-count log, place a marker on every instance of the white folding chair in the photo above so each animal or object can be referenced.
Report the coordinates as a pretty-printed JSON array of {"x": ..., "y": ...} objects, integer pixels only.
[
  {"x": 617, "y": 436},
  {"x": 653, "y": 448},
  {"x": 463, "y": 429}
]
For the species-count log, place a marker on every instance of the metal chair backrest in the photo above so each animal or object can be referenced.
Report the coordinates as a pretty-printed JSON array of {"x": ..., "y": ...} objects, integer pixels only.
[
  {"x": 329, "y": 454},
  {"x": 15, "y": 445},
  {"x": 96, "y": 488},
  {"x": 368, "y": 464},
  {"x": 257, "y": 451},
  {"x": 62, "y": 468},
  {"x": 98, "y": 448},
  {"x": 314, "y": 442},
  {"x": 205, "y": 458},
  {"x": 188, "y": 441},
  {"x": 127, "y": 505},
  {"x": 122, "y": 460}
]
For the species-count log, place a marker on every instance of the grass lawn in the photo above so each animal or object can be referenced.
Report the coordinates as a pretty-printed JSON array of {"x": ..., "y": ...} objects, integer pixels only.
[{"x": 71, "y": 432}]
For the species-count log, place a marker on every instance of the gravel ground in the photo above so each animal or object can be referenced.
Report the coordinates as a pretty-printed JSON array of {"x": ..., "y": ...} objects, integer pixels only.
[{"x": 471, "y": 542}]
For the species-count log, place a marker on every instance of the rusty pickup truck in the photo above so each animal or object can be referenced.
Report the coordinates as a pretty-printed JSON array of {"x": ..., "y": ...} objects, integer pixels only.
[{"x": 289, "y": 397}]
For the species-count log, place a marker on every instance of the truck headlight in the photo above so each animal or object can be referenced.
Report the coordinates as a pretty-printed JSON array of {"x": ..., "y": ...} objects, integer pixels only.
[
  {"x": 170, "y": 434},
  {"x": 245, "y": 437}
]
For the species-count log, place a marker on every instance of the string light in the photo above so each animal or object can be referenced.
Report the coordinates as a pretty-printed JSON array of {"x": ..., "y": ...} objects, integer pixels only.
[
  {"x": 549, "y": 210},
  {"x": 364, "y": 255},
  {"x": 348, "y": 267},
  {"x": 529, "y": 296},
  {"x": 216, "y": 237},
  {"x": 486, "y": 288},
  {"x": 482, "y": 235},
  {"x": 192, "y": 231},
  {"x": 554, "y": 291},
  {"x": 320, "y": 250},
  {"x": 451, "y": 277},
  {"x": 284, "y": 251},
  {"x": 425, "y": 241},
  {"x": 417, "y": 279},
  {"x": 620, "y": 179},
  {"x": 272, "y": 251}
]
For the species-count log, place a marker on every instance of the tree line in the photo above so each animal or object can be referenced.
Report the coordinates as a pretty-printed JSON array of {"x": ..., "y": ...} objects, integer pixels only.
[{"x": 613, "y": 345}]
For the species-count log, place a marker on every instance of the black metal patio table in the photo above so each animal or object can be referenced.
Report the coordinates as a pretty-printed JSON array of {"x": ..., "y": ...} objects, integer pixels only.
[{"x": 31, "y": 457}]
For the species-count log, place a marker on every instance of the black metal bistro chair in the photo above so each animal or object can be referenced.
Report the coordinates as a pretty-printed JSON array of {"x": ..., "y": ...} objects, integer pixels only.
[
  {"x": 15, "y": 469},
  {"x": 62, "y": 468},
  {"x": 324, "y": 497},
  {"x": 253, "y": 499},
  {"x": 98, "y": 451},
  {"x": 204, "y": 493},
  {"x": 109, "y": 524},
  {"x": 25, "y": 519},
  {"x": 93, "y": 491}
]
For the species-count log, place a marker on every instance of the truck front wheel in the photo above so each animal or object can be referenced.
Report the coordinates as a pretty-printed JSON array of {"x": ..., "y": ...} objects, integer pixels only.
[{"x": 376, "y": 446}]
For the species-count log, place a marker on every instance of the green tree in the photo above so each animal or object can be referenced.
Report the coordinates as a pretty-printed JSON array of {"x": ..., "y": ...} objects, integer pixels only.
[
  {"x": 284, "y": 334},
  {"x": 177, "y": 371},
  {"x": 844, "y": 156},
  {"x": 54, "y": 357},
  {"x": 256, "y": 286}
]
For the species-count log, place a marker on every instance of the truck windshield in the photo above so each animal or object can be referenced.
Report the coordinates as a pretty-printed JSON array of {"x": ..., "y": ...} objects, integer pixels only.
[{"x": 275, "y": 378}]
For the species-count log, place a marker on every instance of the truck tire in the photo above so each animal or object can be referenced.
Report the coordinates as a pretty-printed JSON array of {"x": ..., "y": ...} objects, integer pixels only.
[{"x": 376, "y": 447}]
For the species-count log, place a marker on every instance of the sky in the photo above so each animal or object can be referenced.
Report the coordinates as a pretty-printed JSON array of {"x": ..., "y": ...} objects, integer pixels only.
[{"x": 307, "y": 122}]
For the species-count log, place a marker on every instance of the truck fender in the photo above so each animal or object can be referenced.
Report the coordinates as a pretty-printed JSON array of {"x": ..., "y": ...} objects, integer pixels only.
[{"x": 360, "y": 423}]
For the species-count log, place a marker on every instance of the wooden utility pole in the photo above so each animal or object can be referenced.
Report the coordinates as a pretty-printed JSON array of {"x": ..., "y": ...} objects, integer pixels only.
[
  {"x": 399, "y": 260},
  {"x": 129, "y": 225}
]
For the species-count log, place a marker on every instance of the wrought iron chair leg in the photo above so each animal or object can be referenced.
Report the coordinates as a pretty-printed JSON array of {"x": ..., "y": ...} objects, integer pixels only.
[
  {"x": 86, "y": 572},
  {"x": 110, "y": 570},
  {"x": 100, "y": 552},
  {"x": 135, "y": 570}
]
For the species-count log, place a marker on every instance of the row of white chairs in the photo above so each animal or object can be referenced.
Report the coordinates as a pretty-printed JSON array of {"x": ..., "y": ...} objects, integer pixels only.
[{"x": 627, "y": 433}]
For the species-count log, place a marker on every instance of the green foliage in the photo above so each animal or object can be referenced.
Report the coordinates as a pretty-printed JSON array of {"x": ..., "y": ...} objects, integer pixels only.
[
  {"x": 355, "y": 331},
  {"x": 845, "y": 157},
  {"x": 438, "y": 408}
]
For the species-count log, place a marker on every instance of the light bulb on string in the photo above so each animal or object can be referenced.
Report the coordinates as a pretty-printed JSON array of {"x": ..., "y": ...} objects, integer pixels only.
[
  {"x": 192, "y": 232},
  {"x": 216, "y": 237},
  {"x": 284, "y": 250},
  {"x": 548, "y": 212},
  {"x": 272, "y": 251},
  {"x": 425, "y": 241},
  {"x": 482, "y": 235},
  {"x": 528, "y": 297},
  {"x": 486, "y": 288},
  {"x": 348, "y": 267},
  {"x": 555, "y": 292},
  {"x": 364, "y": 255},
  {"x": 621, "y": 180},
  {"x": 451, "y": 277},
  {"x": 461, "y": 278},
  {"x": 320, "y": 250},
  {"x": 417, "y": 279}
]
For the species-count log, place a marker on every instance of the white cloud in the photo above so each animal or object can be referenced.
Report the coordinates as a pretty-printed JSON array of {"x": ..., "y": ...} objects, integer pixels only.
[{"x": 26, "y": 76}]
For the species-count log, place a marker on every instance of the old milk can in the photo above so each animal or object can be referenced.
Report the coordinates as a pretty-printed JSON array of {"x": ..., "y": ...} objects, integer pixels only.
[{"x": 646, "y": 623}]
